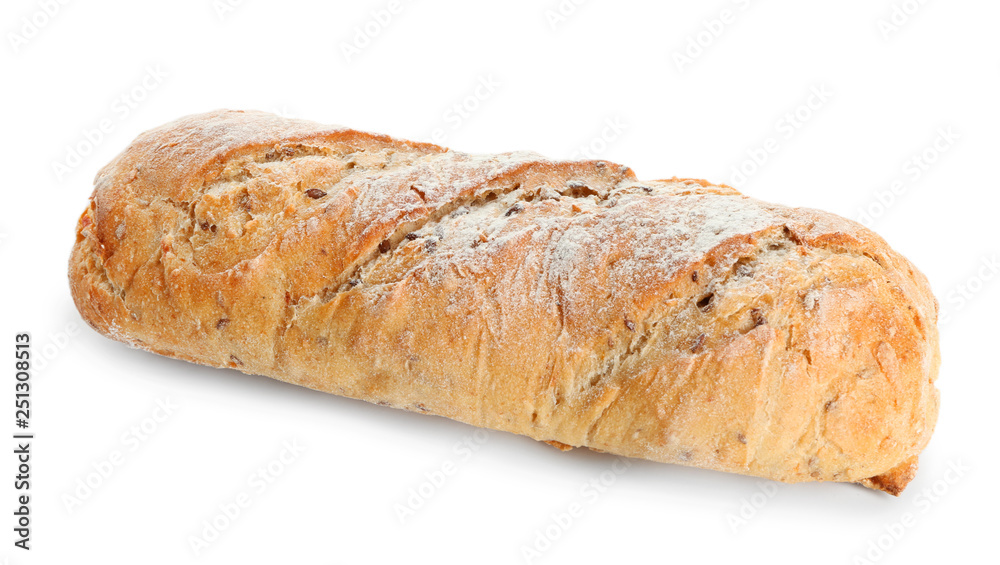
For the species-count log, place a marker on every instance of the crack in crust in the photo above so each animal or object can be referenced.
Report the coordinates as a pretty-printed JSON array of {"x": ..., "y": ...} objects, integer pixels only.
[{"x": 504, "y": 193}]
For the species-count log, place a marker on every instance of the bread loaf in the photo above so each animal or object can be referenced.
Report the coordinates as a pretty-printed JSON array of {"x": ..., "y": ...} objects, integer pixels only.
[{"x": 671, "y": 320}]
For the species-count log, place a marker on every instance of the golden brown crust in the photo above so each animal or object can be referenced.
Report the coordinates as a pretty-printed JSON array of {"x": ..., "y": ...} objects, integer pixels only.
[
  {"x": 673, "y": 320},
  {"x": 558, "y": 445},
  {"x": 894, "y": 480}
]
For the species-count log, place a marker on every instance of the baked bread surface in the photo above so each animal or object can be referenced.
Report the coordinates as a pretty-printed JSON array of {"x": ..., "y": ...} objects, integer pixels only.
[{"x": 671, "y": 320}]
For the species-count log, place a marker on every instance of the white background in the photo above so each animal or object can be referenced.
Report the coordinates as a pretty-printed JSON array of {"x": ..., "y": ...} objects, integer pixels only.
[{"x": 559, "y": 80}]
